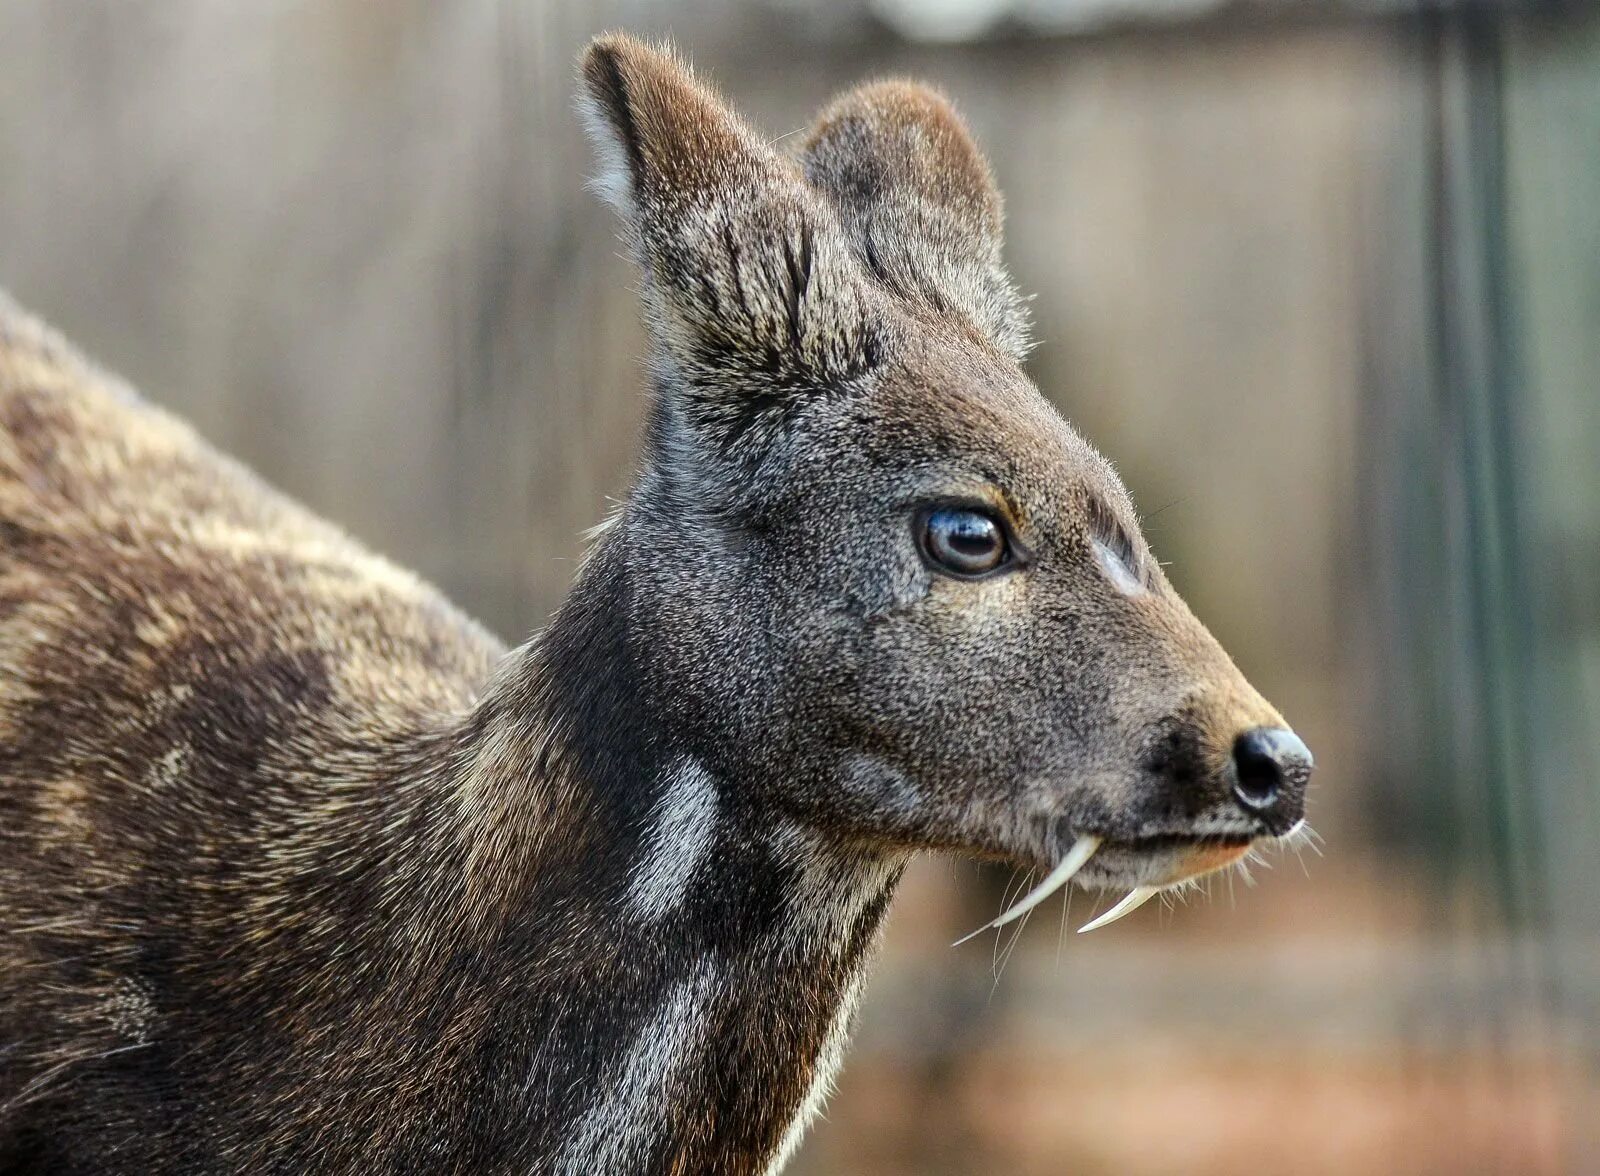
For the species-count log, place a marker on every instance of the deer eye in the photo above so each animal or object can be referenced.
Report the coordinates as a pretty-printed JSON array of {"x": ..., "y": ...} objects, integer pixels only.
[{"x": 963, "y": 541}]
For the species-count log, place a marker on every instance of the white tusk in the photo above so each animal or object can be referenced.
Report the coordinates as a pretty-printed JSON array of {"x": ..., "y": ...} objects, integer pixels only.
[
  {"x": 1082, "y": 850},
  {"x": 1134, "y": 899}
]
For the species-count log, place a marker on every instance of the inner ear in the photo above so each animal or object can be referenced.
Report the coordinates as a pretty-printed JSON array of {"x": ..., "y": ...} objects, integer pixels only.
[{"x": 919, "y": 203}]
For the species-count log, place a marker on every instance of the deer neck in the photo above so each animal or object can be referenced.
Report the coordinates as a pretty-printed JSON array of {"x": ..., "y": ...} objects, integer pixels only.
[{"x": 687, "y": 962}]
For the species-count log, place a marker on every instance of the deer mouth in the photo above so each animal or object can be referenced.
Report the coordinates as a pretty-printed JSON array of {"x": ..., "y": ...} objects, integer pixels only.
[{"x": 1144, "y": 866}]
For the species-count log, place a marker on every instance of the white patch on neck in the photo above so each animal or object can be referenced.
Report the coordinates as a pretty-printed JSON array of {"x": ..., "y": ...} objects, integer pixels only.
[
  {"x": 682, "y": 832},
  {"x": 826, "y": 1070},
  {"x": 622, "y": 1123}
]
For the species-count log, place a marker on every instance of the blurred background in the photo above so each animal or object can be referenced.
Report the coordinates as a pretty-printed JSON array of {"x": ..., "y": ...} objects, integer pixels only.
[{"x": 1322, "y": 277}]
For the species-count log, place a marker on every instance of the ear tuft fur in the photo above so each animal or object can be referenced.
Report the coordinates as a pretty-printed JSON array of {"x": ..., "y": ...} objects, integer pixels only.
[
  {"x": 659, "y": 132},
  {"x": 919, "y": 203},
  {"x": 751, "y": 289}
]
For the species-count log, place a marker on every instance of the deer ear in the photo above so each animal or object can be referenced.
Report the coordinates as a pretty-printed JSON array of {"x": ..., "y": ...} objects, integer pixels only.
[
  {"x": 919, "y": 203},
  {"x": 750, "y": 284},
  {"x": 662, "y": 137}
]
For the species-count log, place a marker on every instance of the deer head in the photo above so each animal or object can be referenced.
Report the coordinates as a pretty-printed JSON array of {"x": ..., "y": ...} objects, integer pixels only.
[{"x": 887, "y": 592}]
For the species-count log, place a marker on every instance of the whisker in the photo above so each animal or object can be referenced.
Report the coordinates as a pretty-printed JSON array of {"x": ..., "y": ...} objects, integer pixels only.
[
  {"x": 1005, "y": 903},
  {"x": 1066, "y": 913},
  {"x": 1011, "y": 948}
]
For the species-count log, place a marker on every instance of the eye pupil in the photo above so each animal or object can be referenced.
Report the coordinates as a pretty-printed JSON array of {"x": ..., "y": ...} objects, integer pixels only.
[{"x": 967, "y": 542}]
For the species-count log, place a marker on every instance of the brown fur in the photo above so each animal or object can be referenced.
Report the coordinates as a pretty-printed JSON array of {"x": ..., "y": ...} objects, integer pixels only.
[{"x": 164, "y": 617}]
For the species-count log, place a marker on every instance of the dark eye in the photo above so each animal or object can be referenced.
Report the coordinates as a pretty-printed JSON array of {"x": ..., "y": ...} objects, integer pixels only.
[{"x": 963, "y": 541}]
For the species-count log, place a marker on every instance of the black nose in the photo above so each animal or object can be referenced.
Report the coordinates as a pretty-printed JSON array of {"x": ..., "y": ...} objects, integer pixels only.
[{"x": 1271, "y": 767}]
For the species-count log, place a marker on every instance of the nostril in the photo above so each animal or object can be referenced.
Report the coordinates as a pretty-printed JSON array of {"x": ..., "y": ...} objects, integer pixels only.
[
  {"x": 1256, "y": 774},
  {"x": 1264, "y": 759}
]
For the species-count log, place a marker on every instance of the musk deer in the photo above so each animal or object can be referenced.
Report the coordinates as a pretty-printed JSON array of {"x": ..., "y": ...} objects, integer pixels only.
[{"x": 301, "y": 871}]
